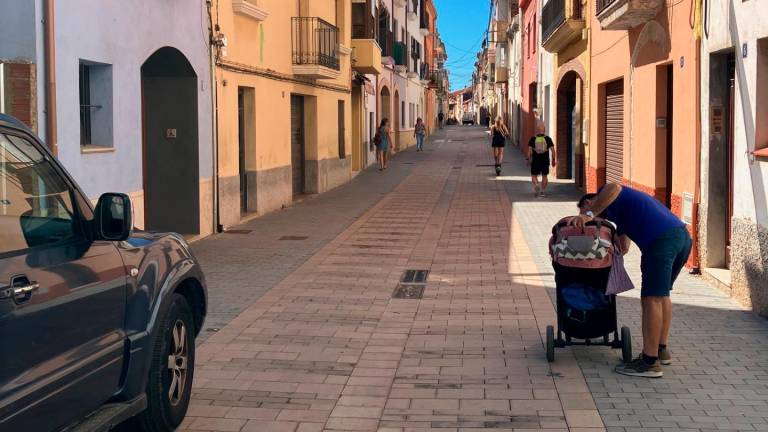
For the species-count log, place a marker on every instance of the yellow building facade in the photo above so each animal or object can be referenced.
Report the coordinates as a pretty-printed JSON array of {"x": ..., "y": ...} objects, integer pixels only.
[{"x": 283, "y": 102}]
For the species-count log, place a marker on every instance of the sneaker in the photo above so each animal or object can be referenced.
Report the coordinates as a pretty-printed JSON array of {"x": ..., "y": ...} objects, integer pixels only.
[
  {"x": 498, "y": 170},
  {"x": 536, "y": 190},
  {"x": 665, "y": 357},
  {"x": 639, "y": 368},
  {"x": 542, "y": 194}
]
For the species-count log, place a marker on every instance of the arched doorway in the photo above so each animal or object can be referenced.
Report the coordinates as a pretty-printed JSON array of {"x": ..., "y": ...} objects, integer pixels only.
[
  {"x": 570, "y": 151},
  {"x": 396, "y": 121},
  {"x": 385, "y": 105},
  {"x": 171, "y": 148}
]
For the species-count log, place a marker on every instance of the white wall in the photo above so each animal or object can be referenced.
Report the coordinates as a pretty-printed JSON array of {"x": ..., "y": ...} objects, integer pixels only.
[
  {"x": 369, "y": 105},
  {"x": 124, "y": 34},
  {"x": 17, "y": 30},
  {"x": 546, "y": 65},
  {"x": 414, "y": 89},
  {"x": 732, "y": 24}
]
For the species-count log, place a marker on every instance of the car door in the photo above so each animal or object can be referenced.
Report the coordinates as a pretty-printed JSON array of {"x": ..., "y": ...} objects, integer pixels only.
[{"x": 62, "y": 296}]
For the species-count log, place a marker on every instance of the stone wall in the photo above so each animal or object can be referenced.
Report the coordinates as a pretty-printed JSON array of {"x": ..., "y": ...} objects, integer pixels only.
[{"x": 749, "y": 264}]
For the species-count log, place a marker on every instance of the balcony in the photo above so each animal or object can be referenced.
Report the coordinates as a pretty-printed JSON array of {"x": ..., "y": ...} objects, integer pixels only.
[
  {"x": 502, "y": 74},
  {"x": 400, "y": 56},
  {"x": 315, "y": 48},
  {"x": 366, "y": 56},
  {"x": 412, "y": 11},
  {"x": 500, "y": 31},
  {"x": 424, "y": 19},
  {"x": 424, "y": 74},
  {"x": 250, "y": 9},
  {"x": 562, "y": 22},
  {"x": 626, "y": 14}
]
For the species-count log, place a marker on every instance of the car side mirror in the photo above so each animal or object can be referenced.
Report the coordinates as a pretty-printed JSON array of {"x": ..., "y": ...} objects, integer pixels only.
[{"x": 114, "y": 219}]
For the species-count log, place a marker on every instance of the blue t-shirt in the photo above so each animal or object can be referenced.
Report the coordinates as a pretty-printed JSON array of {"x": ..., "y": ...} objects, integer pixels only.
[{"x": 641, "y": 217}]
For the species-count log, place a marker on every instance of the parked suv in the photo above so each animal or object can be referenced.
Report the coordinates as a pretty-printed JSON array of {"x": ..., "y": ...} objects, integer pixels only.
[{"x": 97, "y": 320}]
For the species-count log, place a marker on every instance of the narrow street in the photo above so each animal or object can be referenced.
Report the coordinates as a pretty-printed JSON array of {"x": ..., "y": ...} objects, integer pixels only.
[{"x": 304, "y": 333}]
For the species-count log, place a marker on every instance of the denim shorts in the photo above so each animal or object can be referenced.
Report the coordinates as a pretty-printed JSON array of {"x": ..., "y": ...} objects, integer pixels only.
[{"x": 662, "y": 262}]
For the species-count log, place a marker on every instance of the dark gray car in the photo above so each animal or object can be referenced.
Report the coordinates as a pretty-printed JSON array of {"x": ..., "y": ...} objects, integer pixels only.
[{"x": 97, "y": 320}]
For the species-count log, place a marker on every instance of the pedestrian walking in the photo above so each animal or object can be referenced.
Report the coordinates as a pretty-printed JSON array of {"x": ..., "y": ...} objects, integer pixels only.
[
  {"x": 420, "y": 131},
  {"x": 664, "y": 245},
  {"x": 440, "y": 118},
  {"x": 499, "y": 134},
  {"x": 540, "y": 146},
  {"x": 382, "y": 139}
]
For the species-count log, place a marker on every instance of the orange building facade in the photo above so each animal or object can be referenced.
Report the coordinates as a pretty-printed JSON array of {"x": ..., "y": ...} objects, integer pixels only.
[{"x": 644, "y": 96}]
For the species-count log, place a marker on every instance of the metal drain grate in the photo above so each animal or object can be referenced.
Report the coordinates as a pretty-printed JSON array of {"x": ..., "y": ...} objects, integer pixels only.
[
  {"x": 415, "y": 277},
  {"x": 238, "y": 231},
  {"x": 409, "y": 291},
  {"x": 457, "y": 167},
  {"x": 293, "y": 238}
]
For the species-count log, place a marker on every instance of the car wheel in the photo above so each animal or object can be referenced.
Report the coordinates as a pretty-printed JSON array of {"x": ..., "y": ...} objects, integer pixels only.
[{"x": 169, "y": 385}]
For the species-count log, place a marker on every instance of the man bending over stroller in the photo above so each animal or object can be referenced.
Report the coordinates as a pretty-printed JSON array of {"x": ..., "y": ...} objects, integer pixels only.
[{"x": 664, "y": 246}]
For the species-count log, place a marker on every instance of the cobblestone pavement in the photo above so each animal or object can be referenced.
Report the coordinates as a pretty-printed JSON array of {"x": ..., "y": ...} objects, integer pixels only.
[
  {"x": 240, "y": 268},
  {"x": 719, "y": 378},
  {"x": 327, "y": 348},
  {"x": 314, "y": 341}
]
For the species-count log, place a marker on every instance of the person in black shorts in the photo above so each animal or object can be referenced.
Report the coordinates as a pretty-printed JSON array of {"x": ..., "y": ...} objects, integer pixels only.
[
  {"x": 499, "y": 134},
  {"x": 539, "y": 148}
]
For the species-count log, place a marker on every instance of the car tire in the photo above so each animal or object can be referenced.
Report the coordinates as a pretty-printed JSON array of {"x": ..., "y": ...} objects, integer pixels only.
[{"x": 176, "y": 340}]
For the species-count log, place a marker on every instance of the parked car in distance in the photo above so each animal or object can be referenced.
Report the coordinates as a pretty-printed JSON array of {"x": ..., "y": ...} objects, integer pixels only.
[
  {"x": 97, "y": 320},
  {"x": 468, "y": 118}
]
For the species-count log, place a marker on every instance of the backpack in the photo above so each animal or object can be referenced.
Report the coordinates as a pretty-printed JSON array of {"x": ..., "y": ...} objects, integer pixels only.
[{"x": 377, "y": 139}]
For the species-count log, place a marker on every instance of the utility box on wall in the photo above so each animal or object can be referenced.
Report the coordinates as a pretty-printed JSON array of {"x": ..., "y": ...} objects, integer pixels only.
[{"x": 686, "y": 212}]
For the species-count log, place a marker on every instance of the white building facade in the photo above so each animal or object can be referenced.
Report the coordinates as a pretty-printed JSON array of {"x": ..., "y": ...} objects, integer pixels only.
[
  {"x": 132, "y": 107},
  {"x": 733, "y": 213}
]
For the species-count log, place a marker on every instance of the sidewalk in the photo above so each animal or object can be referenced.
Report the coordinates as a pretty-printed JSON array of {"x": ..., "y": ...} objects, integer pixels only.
[
  {"x": 719, "y": 378},
  {"x": 311, "y": 338}
]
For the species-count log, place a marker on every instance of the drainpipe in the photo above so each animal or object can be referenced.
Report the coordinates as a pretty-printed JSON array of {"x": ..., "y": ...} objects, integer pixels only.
[
  {"x": 696, "y": 269},
  {"x": 217, "y": 228},
  {"x": 50, "y": 77},
  {"x": 631, "y": 115}
]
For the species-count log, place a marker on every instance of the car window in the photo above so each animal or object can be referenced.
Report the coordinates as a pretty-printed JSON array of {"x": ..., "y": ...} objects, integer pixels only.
[{"x": 35, "y": 202}]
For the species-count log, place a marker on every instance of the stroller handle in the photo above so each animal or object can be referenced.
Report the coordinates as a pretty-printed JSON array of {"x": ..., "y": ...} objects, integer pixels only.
[{"x": 599, "y": 223}]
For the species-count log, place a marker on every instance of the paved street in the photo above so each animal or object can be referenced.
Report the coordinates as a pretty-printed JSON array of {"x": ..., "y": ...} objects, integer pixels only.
[{"x": 304, "y": 334}]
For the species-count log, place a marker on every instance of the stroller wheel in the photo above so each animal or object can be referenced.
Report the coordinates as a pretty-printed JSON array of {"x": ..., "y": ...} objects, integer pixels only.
[
  {"x": 550, "y": 344},
  {"x": 626, "y": 344}
]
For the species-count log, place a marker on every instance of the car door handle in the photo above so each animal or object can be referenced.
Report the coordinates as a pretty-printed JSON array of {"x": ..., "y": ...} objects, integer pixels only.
[
  {"x": 20, "y": 293},
  {"x": 25, "y": 290}
]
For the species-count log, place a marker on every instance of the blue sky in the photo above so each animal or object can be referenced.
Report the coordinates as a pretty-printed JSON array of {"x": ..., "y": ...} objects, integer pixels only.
[{"x": 462, "y": 25}]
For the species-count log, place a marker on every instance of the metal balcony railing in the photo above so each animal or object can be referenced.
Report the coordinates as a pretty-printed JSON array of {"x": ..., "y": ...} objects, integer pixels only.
[
  {"x": 315, "y": 42},
  {"x": 554, "y": 15},
  {"x": 602, "y": 5}
]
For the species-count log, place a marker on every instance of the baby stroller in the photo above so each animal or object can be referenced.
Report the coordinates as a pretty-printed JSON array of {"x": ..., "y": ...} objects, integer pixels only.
[{"x": 582, "y": 260}]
